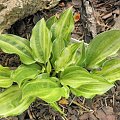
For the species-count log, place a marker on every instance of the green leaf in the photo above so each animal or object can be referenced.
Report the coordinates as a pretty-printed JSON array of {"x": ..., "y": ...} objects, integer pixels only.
[
  {"x": 49, "y": 68},
  {"x": 101, "y": 47},
  {"x": 11, "y": 103},
  {"x": 25, "y": 72},
  {"x": 110, "y": 70},
  {"x": 48, "y": 89},
  {"x": 82, "y": 55},
  {"x": 75, "y": 76},
  {"x": 91, "y": 89},
  {"x": 82, "y": 83},
  {"x": 40, "y": 42},
  {"x": 53, "y": 95},
  {"x": 64, "y": 25},
  {"x": 13, "y": 44},
  {"x": 72, "y": 69},
  {"x": 67, "y": 57},
  {"x": 58, "y": 46},
  {"x": 5, "y": 74},
  {"x": 51, "y": 21},
  {"x": 43, "y": 76}
]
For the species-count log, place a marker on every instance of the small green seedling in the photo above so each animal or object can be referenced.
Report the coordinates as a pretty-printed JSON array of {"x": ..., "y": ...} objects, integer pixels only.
[{"x": 52, "y": 66}]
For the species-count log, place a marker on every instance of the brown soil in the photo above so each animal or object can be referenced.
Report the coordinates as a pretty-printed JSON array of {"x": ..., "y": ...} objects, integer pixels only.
[{"x": 105, "y": 107}]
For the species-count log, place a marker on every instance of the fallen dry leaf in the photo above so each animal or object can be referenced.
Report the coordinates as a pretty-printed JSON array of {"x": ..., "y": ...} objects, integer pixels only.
[
  {"x": 63, "y": 101},
  {"x": 101, "y": 115},
  {"x": 106, "y": 113},
  {"x": 76, "y": 17}
]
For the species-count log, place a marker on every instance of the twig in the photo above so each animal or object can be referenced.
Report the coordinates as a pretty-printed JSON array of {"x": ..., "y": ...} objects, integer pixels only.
[
  {"x": 81, "y": 106},
  {"x": 113, "y": 100},
  {"x": 72, "y": 101},
  {"x": 31, "y": 114},
  {"x": 64, "y": 117},
  {"x": 106, "y": 101},
  {"x": 77, "y": 41}
]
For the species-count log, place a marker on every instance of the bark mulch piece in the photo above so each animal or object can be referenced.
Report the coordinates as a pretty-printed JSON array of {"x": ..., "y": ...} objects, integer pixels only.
[{"x": 105, "y": 107}]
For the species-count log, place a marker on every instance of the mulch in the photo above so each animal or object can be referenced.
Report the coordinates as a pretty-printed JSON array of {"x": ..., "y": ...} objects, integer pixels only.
[{"x": 91, "y": 17}]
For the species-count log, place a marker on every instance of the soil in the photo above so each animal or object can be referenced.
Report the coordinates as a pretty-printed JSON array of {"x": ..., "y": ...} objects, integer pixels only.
[{"x": 105, "y": 107}]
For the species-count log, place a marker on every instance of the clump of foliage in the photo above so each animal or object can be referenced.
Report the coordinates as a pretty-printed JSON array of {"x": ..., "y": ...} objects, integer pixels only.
[{"x": 52, "y": 66}]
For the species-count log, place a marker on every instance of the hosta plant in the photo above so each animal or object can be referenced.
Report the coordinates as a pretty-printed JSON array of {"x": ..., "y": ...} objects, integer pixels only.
[{"x": 52, "y": 66}]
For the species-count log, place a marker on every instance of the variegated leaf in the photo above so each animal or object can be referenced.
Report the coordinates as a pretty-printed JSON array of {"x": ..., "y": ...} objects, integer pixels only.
[
  {"x": 64, "y": 25},
  {"x": 11, "y": 103},
  {"x": 40, "y": 42},
  {"x": 82, "y": 83},
  {"x": 25, "y": 72},
  {"x": 82, "y": 55},
  {"x": 58, "y": 46},
  {"x": 89, "y": 90},
  {"x": 101, "y": 47},
  {"x": 75, "y": 76},
  {"x": 67, "y": 57},
  {"x": 5, "y": 74},
  {"x": 49, "y": 67},
  {"x": 13, "y": 44},
  {"x": 47, "y": 89},
  {"x": 110, "y": 70},
  {"x": 51, "y": 21}
]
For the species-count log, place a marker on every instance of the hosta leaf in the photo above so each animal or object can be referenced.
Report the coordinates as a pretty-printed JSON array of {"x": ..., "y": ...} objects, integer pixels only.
[
  {"x": 75, "y": 77},
  {"x": 43, "y": 75},
  {"x": 102, "y": 46},
  {"x": 91, "y": 89},
  {"x": 25, "y": 72},
  {"x": 82, "y": 83},
  {"x": 82, "y": 55},
  {"x": 45, "y": 88},
  {"x": 58, "y": 46},
  {"x": 71, "y": 69},
  {"x": 51, "y": 21},
  {"x": 5, "y": 82},
  {"x": 64, "y": 25},
  {"x": 40, "y": 42},
  {"x": 67, "y": 57},
  {"x": 5, "y": 74},
  {"x": 53, "y": 95},
  {"x": 117, "y": 54},
  {"x": 110, "y": 70},
  {"x": 13, "y": 44},
  {"x": 49, "y": 67},
  {"x": 11, "y": 103}
]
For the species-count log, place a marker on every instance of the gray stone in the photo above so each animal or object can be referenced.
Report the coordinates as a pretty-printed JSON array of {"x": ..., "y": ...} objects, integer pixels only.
[{"x": 13, "y": 10}]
